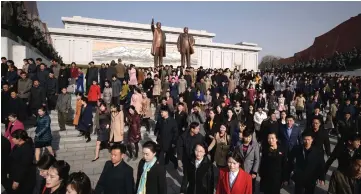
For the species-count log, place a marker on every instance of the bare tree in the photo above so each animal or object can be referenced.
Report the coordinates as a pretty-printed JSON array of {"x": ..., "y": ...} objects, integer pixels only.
[{"x": 269, "y": 61}]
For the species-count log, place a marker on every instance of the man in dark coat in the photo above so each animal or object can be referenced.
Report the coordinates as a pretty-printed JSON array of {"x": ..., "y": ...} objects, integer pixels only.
[
  {"x": 91, "y": 75},
  {"x": 307, "y": 163},
  {"x": 51, "y": 90},
  {"x": 37, "y": 97},
  {"x": 42, "y": 75},
  {"x": 268, "y": 126},
  {"x": 344, "y": 152},
  {"x": 63, "y": 79},
  {"x": 166, "y": 131},
  {"x": 320, "y": 137},
  {"x": 5, "y": 97},
  {"x": 117, "y": 176},
  {"x": 181, "y": 118},
  {"x": 187, "y": 142}
]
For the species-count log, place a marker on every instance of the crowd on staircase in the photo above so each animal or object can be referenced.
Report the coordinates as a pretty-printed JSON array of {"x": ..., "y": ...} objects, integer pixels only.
[{"x": 272, "y": 125}]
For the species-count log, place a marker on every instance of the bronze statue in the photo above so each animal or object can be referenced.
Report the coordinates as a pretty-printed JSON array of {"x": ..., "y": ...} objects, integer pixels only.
[
  {"x": 158, "y": 44},
  {"x": 185, "y": 45}
]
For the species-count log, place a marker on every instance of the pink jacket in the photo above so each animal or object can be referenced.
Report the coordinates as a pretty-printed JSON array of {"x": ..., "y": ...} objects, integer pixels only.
[{"x": 18, "y": 125}]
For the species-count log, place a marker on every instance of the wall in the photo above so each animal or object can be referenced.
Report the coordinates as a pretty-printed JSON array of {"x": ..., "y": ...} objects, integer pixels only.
[
  {"x": 82, "y": 50},
  {"x": 16, "y": 51}
]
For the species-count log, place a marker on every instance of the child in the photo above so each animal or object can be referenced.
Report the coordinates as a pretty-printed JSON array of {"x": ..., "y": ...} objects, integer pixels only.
[{"x": 80, "y": 81}]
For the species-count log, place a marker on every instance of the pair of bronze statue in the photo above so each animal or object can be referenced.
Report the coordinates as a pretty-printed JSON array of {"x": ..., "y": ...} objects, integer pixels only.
[{"x": 185, "y": 45}]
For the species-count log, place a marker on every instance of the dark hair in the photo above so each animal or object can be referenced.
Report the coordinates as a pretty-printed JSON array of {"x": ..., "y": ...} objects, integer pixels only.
[
  {"x": 152, "y": 146},
  {"x": 21, "y": 134},
  {"x": 133, "y": 107},
  {"x": 354, "y": 137},
  {"x": 237, "y": 157},
  {"x": 204, "y": 146},
  {"x": 193, "y": 125},
  {"x": 11, "y": 62},
  {"x": 79, "y": 94},
  {"x": 84, "y": 99},
  {"x": 3, "y": 58},
  {"x": 13, "y": 115},
  {"x": 247, "y": 133},
  {"x": 39, "y": 59},
  {"x": 114, "y": 75},
  {"x": 80, "y": 182},
  {"x": 118, "y": 146},
  {"x": 273, "y": 133},
  {"x": 164, "y": 108},
  {"x": 46, "y": 161},
  {"x": 115, "y": 106},
  {"x": 181, "y": 103},
  {"x": 307, "y": 133},
  {"x": 196, "y": 104},
  {"x": 43, "y": 108},
  {"x": 32, "y": 60},
  {"x": 290, "y": 117},
  {"x": 63, "y": 168}
]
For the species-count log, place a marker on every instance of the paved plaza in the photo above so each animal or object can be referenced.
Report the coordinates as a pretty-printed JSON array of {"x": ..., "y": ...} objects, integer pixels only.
[{"x": 79, "y": 154}]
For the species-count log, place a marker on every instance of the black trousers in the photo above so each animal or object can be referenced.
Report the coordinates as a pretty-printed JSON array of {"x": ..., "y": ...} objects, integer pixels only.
[
  {"x": 304, "y": 189},
  {"x": 52, "y": 98},
  {"x": 146, "y": 122},
  {"x": 115, "y": 100},
  {"x": 166, "y": 156}
]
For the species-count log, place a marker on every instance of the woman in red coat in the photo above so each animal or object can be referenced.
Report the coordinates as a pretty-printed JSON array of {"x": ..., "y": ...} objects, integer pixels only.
[
  {"x": 233, "y": 180},
  {"x": 14, "y": 125},
  {"x": 94, "y": 94},
  {"x": 134, "y": 135}
]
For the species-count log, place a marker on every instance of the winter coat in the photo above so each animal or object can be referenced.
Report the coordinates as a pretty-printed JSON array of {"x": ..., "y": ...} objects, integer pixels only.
[
  {"x": 86, "y": 119},
  {"x": 24, "y": 87},
  {"x": 63, "y": 103},
  {"x": 17, "y": 125},
  {"x": 77, "y": 112},
  {"x": 43, "y": 131},
  {"x": 136, "y": 101},
  {"x": 157, "y": 87},
  {"x": 116, "y": 88},
  {"x": 134, "y": 135},
  {"x": 107, "y": 95},
  {"x": 117, "y": 127},
  {"x": 94, "y": 93},
  {"x": 182, "y": 86},
  {"x": 146, "y": 108},
  {"x": 37, "y": 97}
]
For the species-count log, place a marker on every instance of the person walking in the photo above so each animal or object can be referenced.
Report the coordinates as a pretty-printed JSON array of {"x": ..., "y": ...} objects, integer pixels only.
[
  {"x": 116, "y": 124},
  {"x": 85, "y": 120},
  {"x": 43, "y": 137},
  {"x": 134, "y": 135},
  {"x": 151, "y": 176},
  {"x": 103, "y": 130},
  {"x": 63, "y": 105}
]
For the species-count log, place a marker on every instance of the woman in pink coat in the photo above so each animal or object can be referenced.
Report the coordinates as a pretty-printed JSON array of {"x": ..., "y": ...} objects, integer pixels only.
[
  {"x": 133, "y": 81},
  {"x": 14, "y": 125},
  {"x": 137, "y": 100}
]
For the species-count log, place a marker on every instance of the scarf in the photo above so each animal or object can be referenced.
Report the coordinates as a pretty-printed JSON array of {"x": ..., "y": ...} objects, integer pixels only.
[{"x": 143, "y": 179}]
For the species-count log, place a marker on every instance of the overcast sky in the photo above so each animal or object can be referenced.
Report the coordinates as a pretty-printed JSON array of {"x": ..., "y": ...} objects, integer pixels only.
[{"x": 280, "y": 28}]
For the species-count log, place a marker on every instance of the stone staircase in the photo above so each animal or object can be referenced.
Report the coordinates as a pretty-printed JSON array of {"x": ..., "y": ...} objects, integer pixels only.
[{"x": 77, "y": 152}]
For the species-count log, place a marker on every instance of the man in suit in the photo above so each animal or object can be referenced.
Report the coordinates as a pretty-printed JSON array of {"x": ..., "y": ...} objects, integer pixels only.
[
  {"x": 307, "y": 163},
  {"x": 117, "y": 176},
  {"x": 290, "y": 136},
  {"x": 249, "y": 152},
  {"x": 166, "y": 131}
]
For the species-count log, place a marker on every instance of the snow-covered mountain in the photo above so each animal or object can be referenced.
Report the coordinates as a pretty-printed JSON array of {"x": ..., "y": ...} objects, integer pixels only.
[{"x": 137, "y": 56}]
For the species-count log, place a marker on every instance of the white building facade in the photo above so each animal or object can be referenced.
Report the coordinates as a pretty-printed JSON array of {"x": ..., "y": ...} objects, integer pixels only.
[{"x": 86, "y": 39}]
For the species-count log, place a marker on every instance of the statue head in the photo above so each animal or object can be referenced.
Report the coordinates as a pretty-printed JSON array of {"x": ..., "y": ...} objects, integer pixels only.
[
  {"x": 185, "y": 30},
  {"x": 159, "y": 25}
]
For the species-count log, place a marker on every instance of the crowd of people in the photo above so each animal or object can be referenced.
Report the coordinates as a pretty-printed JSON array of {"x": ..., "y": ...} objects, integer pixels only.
[
  {"x": 272, "y": 125},
  {"x": 338, "y": 62}
]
